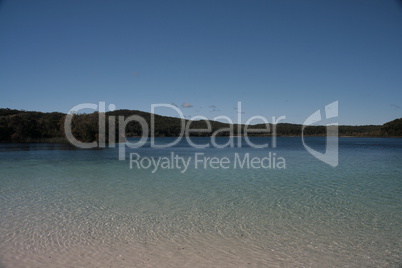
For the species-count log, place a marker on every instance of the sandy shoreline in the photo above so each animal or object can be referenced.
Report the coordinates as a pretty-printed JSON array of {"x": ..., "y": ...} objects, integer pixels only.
[{"x": 205, "y": 250}]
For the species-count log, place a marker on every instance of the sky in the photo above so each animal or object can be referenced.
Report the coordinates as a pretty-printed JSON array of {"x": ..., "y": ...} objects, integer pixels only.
[{"x": 278, "y": 58}]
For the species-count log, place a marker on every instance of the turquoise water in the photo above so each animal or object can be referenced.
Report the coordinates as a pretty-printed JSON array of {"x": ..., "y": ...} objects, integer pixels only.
[{"x": 84, "y": 208}]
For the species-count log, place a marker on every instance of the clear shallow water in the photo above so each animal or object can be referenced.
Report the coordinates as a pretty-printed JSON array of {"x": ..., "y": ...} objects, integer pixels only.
[{"x": 84, "y": 208}]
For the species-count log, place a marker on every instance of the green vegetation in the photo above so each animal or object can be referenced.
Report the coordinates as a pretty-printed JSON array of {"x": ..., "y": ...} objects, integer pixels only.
[
  {"x": 392, "y": 129},
  {"x": 23, "y": 126},
  {"x": 26, "y": 126}
]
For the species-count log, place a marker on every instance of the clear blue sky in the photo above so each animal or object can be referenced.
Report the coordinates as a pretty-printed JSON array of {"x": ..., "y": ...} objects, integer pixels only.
[{"x": 276, "y": 57}]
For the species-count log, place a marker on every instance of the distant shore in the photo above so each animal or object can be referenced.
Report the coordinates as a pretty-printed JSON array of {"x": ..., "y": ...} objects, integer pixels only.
[{"x": 38, "y": 127}]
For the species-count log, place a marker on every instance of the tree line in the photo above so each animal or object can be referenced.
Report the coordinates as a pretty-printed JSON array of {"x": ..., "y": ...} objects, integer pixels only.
[{"x": 28, "y": 126}]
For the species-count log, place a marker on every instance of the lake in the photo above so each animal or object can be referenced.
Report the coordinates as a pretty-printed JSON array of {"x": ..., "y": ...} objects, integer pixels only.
[{"x": 202, "y": 207}]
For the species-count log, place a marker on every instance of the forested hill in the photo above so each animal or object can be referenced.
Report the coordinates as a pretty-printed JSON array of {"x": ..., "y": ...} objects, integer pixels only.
[{"x": 28, "y": 126}]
